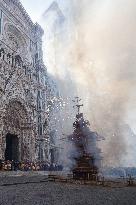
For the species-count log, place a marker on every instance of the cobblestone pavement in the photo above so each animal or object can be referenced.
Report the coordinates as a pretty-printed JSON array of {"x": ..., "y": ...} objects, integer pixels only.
[{"x": 35, "y": 190}]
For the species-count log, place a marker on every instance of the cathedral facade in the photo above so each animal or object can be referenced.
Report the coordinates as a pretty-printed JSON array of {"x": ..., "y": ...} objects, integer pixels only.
[{"x": 24, "y": 88}]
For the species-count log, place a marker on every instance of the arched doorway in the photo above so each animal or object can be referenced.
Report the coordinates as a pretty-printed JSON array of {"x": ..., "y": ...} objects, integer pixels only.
[
  {"x": 12, "y": 147},
  {"x": 17, "y": 133}
]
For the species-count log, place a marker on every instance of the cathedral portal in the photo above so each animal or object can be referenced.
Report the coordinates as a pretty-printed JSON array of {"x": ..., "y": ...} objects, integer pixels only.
[
  {"x": 12, "y": 147},
  {"x": 17, "y": 133}
]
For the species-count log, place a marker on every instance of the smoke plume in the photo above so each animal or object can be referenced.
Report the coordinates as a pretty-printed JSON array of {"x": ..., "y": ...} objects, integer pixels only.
[{"x": 94, "y": 51}]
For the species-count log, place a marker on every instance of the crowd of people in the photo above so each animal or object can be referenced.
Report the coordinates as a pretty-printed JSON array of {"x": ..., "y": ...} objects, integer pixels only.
[{"x": 29, "y": 166}]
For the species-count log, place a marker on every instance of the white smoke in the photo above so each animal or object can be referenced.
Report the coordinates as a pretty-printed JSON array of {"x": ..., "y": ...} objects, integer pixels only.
[{"x": 92, "y": 53}]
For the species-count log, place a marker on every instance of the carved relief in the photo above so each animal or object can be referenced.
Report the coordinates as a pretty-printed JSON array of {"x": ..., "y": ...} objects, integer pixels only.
[
  {"x": 15, "y": 39},
  {"x": 15, "y": 116},
  {"x": 13, "y": 42}
]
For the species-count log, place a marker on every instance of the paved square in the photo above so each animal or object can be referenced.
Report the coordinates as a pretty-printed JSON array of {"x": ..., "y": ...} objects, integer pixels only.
[{"x": 35, "y": 190}]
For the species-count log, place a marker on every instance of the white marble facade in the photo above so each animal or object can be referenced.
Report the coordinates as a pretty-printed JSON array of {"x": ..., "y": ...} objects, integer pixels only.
[{"x": 24, "y": 87}]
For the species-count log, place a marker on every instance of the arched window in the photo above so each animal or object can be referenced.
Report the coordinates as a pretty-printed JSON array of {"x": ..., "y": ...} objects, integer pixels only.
[
  {"x": 9, "y": 58},
  {"x": 36, "y": 57},
  {"x": 39, "y": 119},
  {"x": 18, "y": 61},
  {"x": 2, "y": 53},
  {"x": 25, "y": 69},
  {"x": 40, "y": 129},
  {"x": 39, "y": 104}
]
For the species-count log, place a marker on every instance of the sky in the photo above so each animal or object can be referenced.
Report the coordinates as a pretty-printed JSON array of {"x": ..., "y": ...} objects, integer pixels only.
[{"x": 36, "y": 8}]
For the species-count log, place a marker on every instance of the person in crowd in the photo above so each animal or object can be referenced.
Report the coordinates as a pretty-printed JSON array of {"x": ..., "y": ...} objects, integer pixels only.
[
  {"x": 1, "y": 164},
  {"x": 29, "y": 166},
  {"x": 8, "y": 165}
]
